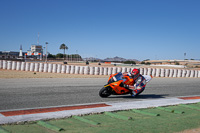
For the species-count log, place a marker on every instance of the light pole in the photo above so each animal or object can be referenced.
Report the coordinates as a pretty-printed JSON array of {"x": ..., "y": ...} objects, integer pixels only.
[
  {"x": 184, "y": 60},
  {"x": 46, "y": 52}
]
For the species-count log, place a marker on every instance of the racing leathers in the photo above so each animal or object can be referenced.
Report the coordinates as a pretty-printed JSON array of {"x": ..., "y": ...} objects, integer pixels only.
[{"x": 138, "y": 84}]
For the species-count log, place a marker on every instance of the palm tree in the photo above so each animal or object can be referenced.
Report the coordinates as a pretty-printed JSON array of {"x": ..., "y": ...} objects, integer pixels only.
[{"x": 63, "y": 46}]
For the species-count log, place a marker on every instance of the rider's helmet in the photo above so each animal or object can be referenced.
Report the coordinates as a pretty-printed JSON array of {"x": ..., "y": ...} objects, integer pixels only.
[{"x": 135, "y": 73}]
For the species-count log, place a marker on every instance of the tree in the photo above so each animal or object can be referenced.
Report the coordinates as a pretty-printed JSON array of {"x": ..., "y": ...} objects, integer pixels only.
[
  {"x": 59, "y": 55},
  {"x": 51, "y": 56},
  {"x": 63, "y": 46}
]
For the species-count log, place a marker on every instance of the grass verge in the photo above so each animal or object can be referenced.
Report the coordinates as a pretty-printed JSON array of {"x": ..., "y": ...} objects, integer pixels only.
[{"x": 166, "y": 122}]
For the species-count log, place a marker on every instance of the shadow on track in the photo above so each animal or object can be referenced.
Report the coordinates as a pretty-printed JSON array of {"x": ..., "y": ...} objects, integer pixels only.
[{"x": 142, "y": 96}]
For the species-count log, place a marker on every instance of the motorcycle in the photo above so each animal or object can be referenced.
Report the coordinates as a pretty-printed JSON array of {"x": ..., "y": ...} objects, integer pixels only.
[{"x": 118, "y": 85}]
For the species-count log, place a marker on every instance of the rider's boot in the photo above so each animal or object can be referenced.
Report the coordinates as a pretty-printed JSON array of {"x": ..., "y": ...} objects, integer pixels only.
[{"x": 133, "y": 94}]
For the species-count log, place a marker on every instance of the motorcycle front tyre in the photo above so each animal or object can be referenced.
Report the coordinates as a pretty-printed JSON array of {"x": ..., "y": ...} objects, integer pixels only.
[{"x": 105, "y": 92}]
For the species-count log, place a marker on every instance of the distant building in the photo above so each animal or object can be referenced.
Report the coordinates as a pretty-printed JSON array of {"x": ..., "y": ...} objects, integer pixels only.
[
  {"x": 35, "y": 52},
  {"x": 10, "y": 54},
  {"x": 37, "y": 48}
]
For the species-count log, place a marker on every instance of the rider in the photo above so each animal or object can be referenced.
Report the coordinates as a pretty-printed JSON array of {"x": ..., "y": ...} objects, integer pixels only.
[{"x": 139, "y": 82}]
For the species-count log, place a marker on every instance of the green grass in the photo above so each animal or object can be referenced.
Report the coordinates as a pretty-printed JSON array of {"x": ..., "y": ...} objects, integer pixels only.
[{"x": 167, "y": 122}]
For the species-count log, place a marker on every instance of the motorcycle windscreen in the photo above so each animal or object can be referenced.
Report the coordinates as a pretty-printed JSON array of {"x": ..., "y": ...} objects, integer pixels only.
[{"x": 118, "y": 77}]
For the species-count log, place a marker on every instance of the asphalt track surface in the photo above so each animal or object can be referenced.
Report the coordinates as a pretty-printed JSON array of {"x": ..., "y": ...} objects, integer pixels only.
[{"x": 35, "y": 93}]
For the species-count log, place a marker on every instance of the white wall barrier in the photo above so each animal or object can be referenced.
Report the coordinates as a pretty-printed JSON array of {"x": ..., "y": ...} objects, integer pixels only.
[
  {"x": 145, "y": 71},
  {"x": 149, "y": 71},
  {"x": 105, "y": 71},
  {"x": 63, "y": 69},
  {"x": 59, "y": 68},
  {"x": 54, "y": 69},
  {"x": 195, "y": 73},
  {"x": 32, "y": 65},
  {"x": 187, "y": 73},
  {"x": 114, "y": 70},
  {"x": 72, "y": 71},
  {"x": 91, "y": 71},
  {"x": 175, "y": 73},
  {"x": 157, "y": 72},
  {"x": 198, "y": 74},
  {"x": 109, "y": 71},
  {"x": 118, "y": 69},
  {"x": 153, "y": 72},
  {"x": 191, "y": 73},
  {"x": 9, "y": 65},
  {"x": 171, "y": 71},
  {"x": 68, "y": 69},
  {"x": 18, "y": 67},
  {"x": 124, "y": 69},
  {"x": 27, "y": 66},
  {"x": 4, "y": 64},
  {"x": 101, "y": 70},
  {"x": 166, "y": 72},
  {"x": 14, "y": 65},
  {"x": 45, "y": 67},
  {"x": 50, "y": 67},
  {"x": 23, "y": 65},
  {"x": 162, "y": 72},
  {"x": 179, "y": 73},
  {"x": 86, "y": 70},
  {"x": 183, "y": 73},
  {"x": 141, "y": 71},
  {"x": 1, "y": 64},
  {"x": 77, "y": 69},
  {"x": 81, "y": 70},
  {"x": 96, "y": 71},
  {"x": 36, "y": 67},
  {"x": 129, "y": 69},
  {"x": 41, "y": 68}
]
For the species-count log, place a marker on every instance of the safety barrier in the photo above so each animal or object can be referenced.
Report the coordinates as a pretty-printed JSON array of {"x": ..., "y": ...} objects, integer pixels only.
[{"x": 89, "y": 70}]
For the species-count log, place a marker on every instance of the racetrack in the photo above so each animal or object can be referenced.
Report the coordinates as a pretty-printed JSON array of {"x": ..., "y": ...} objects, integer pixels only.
[{"x": 45, "y": 92}]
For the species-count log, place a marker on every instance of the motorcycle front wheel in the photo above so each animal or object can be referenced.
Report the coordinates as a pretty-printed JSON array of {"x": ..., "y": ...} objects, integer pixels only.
[{"x": 105, "y": 92}]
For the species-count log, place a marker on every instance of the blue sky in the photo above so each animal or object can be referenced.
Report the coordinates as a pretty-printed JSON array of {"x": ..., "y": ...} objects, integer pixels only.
[{"x": 132, "y": 29}]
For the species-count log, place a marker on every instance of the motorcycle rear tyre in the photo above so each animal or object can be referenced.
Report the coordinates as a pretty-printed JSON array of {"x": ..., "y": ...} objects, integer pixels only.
[{"x": 104, "y": 92}]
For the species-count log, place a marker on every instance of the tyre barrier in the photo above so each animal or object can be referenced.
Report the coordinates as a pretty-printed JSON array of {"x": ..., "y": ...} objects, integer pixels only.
[
  {"x": 9, "y": 67},
  {"x": 41, "y": 67},
  {"x": 101, "y": 70},
  {"x": 77, "y": 69},
  {"x": 81, "y": 70},
  {"x": 1, "y": 64},
  {"x": 23, "y": 64},
  {"x": 54, "y": 68},
  {"x": 45, "y": 69},
  {"x": 18, "y": 67},
  {"x": 27, "y": 66},
  {"x": 89, "y": 70},
  {"x": 63, "y": 69},
  {"x": 96, "y": 71},
  {"x": 72, "y": 71},
  {"x": 67, "y": 69}
]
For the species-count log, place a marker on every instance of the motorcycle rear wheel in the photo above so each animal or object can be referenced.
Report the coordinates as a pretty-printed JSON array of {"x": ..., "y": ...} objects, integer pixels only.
[{"x": 105, "y": 92}]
